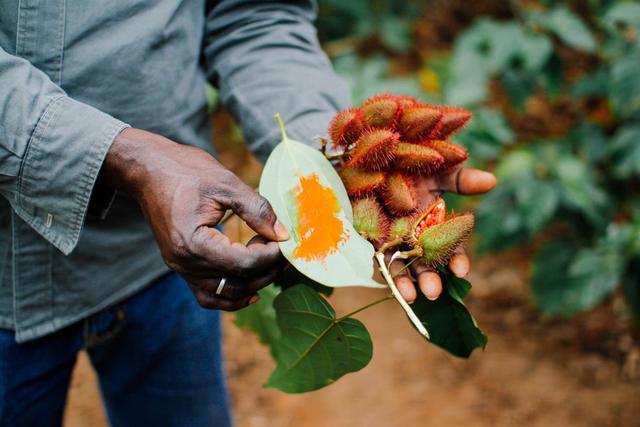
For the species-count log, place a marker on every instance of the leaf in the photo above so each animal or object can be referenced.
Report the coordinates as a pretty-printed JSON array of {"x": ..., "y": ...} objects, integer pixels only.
[
  {"x": 623, "y": 17},
  {"x": 631, "y": 285},
  {"x": 567, "y": 279},
  {"x": 316, "y": 349},
  {"x": 570, "y": 29},
  {"x": 625, "y": 151},
  {"x": 537, "y": 202},
  {"x": 625, "y": 85},
  {"x": 260, "y": 318},
  {"x": 310, "y": 200},
  {"x": 447, "y": 319}
]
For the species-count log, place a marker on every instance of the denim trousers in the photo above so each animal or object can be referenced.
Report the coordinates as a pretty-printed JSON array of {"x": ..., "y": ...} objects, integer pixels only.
[{"x": 157, "y": 355}]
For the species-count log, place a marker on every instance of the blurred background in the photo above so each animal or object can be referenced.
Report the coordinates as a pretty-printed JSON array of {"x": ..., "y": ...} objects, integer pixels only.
[{"x": 555, "y": 91}]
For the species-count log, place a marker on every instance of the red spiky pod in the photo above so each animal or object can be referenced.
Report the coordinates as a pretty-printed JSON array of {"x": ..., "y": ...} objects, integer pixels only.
[
  {"x": 374, "y": 150},
  {"x": 435, "y": 214},
  {"x": 453, "y": 119},
  {"x": 360, "y": 182},
  {"x": 346, "y": 127},
  {"x": 416, "y": 158},
  {"x": 380, "y": 111},
  {"x": 399, "y": 194},
  {"x": 453, "y": 154},
  {"x": 369, "y": 220},
  {"x": 416, "y": 123},
  {"x": 406, "y": 101}
]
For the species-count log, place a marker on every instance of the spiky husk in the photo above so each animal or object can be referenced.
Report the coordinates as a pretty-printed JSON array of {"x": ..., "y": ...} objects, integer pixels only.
[
  {"x": 417, "y": 158},
  {"x": 380, "y": 111},
  {"x": 452, "y": 154},
  {"x": 406, "y": 101},
  {"x": 399, "y": 194},
  {"x": 369, "y": 220},
  {"x": 373, "y": 150},
  {"x": 440, "y": 241},
  {"x": 453, "y": 119},
  {"x": 400, "y": 228},
  {"x": 416, "y": 123},
  {"x": 360, "y": 182},
  {"x": 346, "y": 127}
]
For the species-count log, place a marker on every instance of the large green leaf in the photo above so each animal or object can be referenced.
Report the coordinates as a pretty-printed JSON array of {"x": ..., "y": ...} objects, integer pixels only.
[
  {"x": 447, "y": 319},
  {"x": 570, "y": 29},
  {"x": 568, "y": 279},
  {"x": 625, "y": 150},
  {"x": 260, "y": 318},
  {"x": 625, "y": 85},
  {"x": 316, "y": 349},
  {"x": 334, "y": 253}
]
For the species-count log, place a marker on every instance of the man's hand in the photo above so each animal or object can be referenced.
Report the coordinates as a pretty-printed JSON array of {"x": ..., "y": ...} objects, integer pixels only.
[
  {"x": 184, "y": 193},
  {"x": 463, "y": 181}
]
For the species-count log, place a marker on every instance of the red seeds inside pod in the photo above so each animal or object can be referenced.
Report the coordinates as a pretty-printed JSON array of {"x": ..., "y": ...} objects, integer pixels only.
[
  {"x": 416, "y": 123},
  {"x": 359, "y": 182},
  {"x": 345, "y": 127},
  {"x": 399, "y": 194},
  {"x": 381, "y": 111},
  {"x": 417, "y": 158},
  {"x": 374, "y": 150},
  {"x": 435, "y": 214}
]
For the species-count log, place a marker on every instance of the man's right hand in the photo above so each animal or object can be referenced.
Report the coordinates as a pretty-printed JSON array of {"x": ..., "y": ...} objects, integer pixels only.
[{"x": 184, "y": 192}]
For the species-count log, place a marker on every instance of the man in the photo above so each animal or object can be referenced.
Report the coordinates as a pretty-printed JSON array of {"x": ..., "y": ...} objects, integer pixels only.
[{"x": 94, "y": 98}]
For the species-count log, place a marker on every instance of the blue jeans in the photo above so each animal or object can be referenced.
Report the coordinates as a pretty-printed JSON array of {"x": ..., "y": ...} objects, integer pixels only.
[{"x": 158, "y": 357}]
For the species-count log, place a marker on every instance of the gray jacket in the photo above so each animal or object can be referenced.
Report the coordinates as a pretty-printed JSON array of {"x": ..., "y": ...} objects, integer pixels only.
[{"x": 74, "y": 73}]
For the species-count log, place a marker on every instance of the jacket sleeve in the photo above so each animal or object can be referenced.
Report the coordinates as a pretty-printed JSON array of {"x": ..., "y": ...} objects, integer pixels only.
[
  {"x": 265, "y": 58},
  {"x": 51, "y": 150}
]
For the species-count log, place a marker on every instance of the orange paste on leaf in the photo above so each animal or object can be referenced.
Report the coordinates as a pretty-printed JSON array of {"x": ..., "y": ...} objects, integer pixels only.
[{"x": 319, "y": 228}]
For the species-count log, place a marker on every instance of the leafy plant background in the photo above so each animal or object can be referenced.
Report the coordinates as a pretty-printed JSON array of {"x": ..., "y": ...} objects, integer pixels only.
[{"x": 555, "y": 254}]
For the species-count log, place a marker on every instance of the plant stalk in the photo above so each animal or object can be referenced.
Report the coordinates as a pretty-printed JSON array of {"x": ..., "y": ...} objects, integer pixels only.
[
  {"x": 371, "y": 304},
  {"x": 396, "y": 293}
]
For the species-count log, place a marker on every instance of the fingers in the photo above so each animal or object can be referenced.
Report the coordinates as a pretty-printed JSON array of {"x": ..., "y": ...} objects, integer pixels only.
[
  {"x": 429, "y": 281},
  {"x": 403, "y": 281},
  {"x": 256, "y": 211},
  {"x": 213, "y": 302},
  {"x": 238, "y": 288},
  {"x": 459, "y": 263},
  {"x": 222, "y": 256},
  {"x": 467, "y": 181}
]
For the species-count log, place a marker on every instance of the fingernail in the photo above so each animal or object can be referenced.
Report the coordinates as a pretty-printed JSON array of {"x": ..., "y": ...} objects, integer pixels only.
[
  {"x": 254, "y": 298},
  {"x": 432, "y": 290},
  {"x": 281, "y": 231}
]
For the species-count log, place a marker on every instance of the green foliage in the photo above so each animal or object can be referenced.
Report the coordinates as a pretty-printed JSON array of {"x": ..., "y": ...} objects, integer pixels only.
[
  {"x": 447, "y": 319},
  {"x": 260, "y": 318},
  {"x": 315, "y": 348}
]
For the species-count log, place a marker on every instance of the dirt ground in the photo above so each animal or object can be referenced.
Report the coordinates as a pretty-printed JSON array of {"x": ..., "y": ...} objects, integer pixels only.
[{"x": 535, "y": 372}]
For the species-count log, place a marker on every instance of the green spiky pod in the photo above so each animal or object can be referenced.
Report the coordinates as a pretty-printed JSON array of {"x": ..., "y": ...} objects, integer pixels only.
[
  {"x": 374, "y": 150},
  {"x": 416, "y": 123},
  {"x": 369, "y": 220},
  {"x": 453, "y": 119},
  {"x": 360, "y": 182},
  {"x": 380, "y": 111},
  {"x": 346, "y": 127},
  {"x": 416, "y": 158},
  {"x": 399, "y": 194},
  {"x": 400, "y": 228},
  {"x": 453, "y": 154},
  {"x": 440, "y": 241}
]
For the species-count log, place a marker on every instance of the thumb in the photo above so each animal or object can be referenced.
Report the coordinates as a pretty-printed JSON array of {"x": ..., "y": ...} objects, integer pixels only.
[{"x": 256, "y": 211}]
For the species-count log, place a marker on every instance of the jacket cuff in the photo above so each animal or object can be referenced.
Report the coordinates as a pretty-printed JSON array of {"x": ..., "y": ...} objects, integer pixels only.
[{"x": 60, "y": 168}]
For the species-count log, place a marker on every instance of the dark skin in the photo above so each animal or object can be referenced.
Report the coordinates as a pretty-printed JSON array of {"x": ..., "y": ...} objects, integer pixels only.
[{"x": 184, "y": 192}]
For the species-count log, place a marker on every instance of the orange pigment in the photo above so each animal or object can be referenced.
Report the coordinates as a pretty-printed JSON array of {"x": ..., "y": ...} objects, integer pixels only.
[{"x": 319, "y": 229}]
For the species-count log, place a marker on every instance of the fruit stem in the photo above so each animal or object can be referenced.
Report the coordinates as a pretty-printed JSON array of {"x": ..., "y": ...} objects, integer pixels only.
[
  {"x": 281, "y": 124},
  {"x": 334, "y": 156},
  {"x": 396, "y": 293},
  {"x": 371, "y": 304},
  {"x": 390, "y": 244}
]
